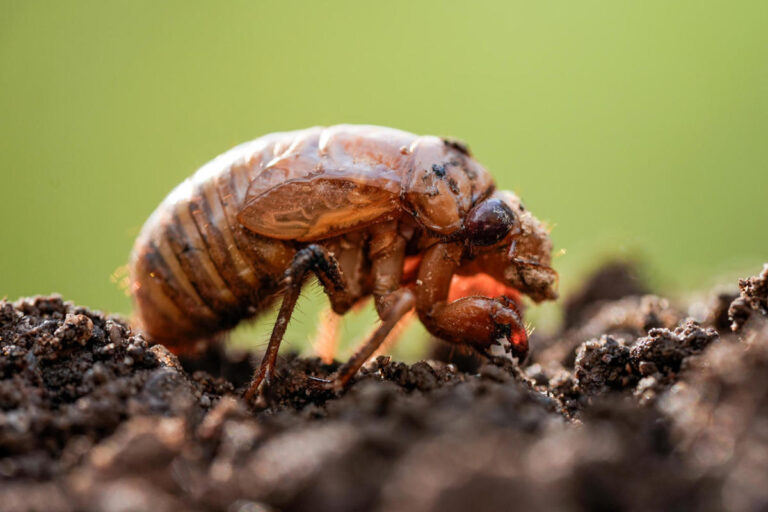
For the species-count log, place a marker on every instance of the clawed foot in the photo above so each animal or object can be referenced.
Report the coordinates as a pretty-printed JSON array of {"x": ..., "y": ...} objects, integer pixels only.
[{"x": 258, "y": 392}]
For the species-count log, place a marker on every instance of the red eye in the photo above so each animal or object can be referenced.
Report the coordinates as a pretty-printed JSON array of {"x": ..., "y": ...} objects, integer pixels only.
[{"x": 489, "y": 221}]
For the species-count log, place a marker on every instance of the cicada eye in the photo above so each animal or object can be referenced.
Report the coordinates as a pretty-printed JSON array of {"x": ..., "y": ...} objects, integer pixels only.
[{"x": 489, "y": 221}]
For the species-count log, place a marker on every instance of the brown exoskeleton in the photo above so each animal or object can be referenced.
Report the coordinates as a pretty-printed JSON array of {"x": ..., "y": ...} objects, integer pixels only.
[{"x": 350, "y": 204}]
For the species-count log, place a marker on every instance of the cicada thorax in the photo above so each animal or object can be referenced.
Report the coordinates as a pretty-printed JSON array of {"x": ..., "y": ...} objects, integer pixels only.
[{"x": 443, "y": 184}]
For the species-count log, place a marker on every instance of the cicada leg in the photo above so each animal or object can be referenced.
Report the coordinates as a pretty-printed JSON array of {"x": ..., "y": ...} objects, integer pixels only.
[
  {"x": 387, "y": 254},
  {"x": 401, "y": 304},
  {"x": 312, "y": 258},
  {"x": 397, "y": 332},
  {"x": 480, "y": 322},
  {"x": 326, "y": 338}
]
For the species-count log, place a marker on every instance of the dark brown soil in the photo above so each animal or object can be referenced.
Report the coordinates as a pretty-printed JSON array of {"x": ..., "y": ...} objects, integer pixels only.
[{"x": 633, "y": 406}]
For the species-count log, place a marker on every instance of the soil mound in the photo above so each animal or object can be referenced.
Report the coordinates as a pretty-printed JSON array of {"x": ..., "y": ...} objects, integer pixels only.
[{"x": 633, "y": 406}]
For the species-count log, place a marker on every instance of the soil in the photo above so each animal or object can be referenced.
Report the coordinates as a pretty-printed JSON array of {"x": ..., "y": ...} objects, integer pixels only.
[{"x": 632, "y": 406}]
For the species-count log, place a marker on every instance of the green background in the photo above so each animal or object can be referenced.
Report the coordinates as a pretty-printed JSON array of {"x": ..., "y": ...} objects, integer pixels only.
[{"x": 636, "y": 128}]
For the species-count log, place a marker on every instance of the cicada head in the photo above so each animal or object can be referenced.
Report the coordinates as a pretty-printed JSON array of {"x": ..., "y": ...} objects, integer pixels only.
[{"x": 512, "y": 245}]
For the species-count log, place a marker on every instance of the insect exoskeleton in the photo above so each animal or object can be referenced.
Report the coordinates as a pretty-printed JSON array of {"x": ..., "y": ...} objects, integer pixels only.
[{"x": 350, "y": 204}]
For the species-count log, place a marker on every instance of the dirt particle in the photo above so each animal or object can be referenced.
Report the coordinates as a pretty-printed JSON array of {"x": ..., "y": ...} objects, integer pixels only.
[{"x": 753, "y": 298}]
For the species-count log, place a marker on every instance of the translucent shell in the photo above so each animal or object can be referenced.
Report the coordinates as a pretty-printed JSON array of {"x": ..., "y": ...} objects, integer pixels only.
[{"x": 326, "y": 182}]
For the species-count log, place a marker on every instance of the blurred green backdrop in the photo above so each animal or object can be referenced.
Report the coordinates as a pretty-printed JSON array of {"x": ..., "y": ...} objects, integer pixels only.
[{"x": 637, "y": 128}]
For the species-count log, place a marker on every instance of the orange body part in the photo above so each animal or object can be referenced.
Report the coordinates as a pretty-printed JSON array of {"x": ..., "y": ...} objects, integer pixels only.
[{"x": 486, "y": 286}]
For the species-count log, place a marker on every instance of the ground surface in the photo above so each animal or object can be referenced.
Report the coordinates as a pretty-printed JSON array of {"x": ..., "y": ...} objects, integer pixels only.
[{"x": 633, "y": 406}]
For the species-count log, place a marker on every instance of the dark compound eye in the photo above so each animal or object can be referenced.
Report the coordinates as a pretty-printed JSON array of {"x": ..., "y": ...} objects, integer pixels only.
[{"x": 489, "y": 221}]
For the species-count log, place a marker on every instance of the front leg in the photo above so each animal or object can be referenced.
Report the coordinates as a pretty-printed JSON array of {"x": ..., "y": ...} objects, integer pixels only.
[{"x": 480, "y": 322}]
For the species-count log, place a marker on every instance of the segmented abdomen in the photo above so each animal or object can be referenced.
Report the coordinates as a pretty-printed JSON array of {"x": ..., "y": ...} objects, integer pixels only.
[{"x": 195, "y": 270}]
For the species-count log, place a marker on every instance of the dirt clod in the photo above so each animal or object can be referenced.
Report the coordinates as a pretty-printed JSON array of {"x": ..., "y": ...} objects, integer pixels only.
[
  {"x": 753, "y": 298},
  {"x": 603, "y": 364}
]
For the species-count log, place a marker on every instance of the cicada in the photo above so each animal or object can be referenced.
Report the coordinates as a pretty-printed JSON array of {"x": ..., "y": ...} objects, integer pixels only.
[{"x": 370, "y": 211}]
